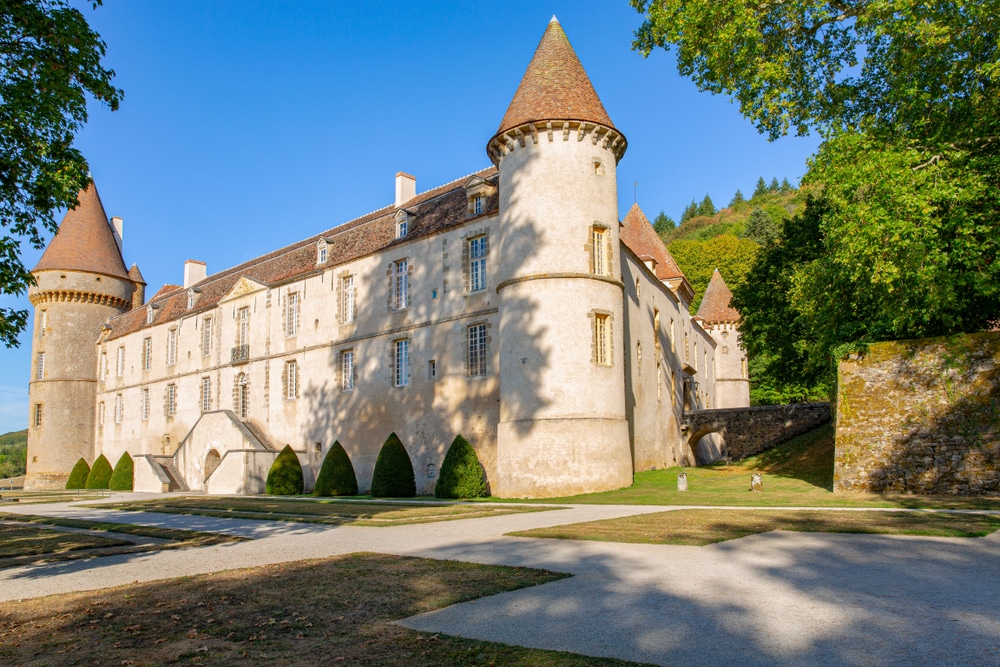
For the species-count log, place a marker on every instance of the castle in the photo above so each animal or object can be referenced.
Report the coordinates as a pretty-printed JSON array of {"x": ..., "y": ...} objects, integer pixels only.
[{"x": 510, "y": 306}]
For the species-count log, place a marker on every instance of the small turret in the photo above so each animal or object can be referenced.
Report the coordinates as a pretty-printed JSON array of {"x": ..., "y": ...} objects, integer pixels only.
[
  {"x": 721, "y": 321},
  {"x": 80, "y": 282}
]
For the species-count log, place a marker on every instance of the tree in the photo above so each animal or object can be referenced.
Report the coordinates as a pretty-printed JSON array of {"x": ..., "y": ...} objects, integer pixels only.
[
  {"x": 785, "y": 186},
  {"x": 689, "y": 212},
  {"x": 50, "y": 62},
  {"x": 761, "y": 227},
  {"x": 663, "y": 224},
  {"x": 393, "y": 475},
  {"x": 737, "y": 199},
  {"x": 462, "y": 475},
  {"x": 773, "y": 187},
  {"x": 761, "y": 188},
  {"x": 336, "y": 476},
  {"x": 698, "y": 259},
  {"x": 706, "y": 207},
  {"x": 123, "y": 476},
  {"x": 285, "y": 475}
]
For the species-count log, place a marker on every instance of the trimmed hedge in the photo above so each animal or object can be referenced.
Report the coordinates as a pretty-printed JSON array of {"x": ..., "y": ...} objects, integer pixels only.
[
  {"x": 100, "y": 474},
  {"x": 78, "y": 476},
  {"x": 285, "y": 476},
  {"x": 462, "y": 476},
  {"x": 336, "y": 476},
  {"x": 393, "y": 476},
  {"x": 123, "y": 474}
]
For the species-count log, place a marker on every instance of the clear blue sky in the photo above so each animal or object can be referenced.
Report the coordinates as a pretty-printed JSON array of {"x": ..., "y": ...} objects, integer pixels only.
[{"x": 250, "y": 125}]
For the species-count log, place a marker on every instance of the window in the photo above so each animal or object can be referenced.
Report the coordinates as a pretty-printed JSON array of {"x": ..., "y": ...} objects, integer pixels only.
[
  {"x": 118, "y": 408},
  {"x": 147, "y": 353},
  {"x": 347, "y": 295},
  {"x": 477, "y": 349},
  {"x": 656, "y": 329},
  {"x": 206, "y": 336},
  {"x": 659, "y": 381},
  {"x": 431, "y": 369},
  {"x": 43, "y": 322},
  {"x": 103, "y": 366},
  {"x": 291, "y": 380},
  {"x": 477, "y": 264},
  {"x": 400, "y": 284},
  {"x": 171, "y": 347},
  {"x": 673, "y": 335},
  {"x": 242, "y": 396},
  {"x": 638, "y": 289},
  {"x": 243, "y": 332},
  {"x": 36, "y": 417},
  {"x": 149, "y": 315},
  {"x": 145, "y": 404},
  {"x": 321, "y": 252},
  {"x": 100, "y": 413},
  {"x": 402, "y": 223},
  {"x": 40, "y": 367},
  {"x": 602, "y": 352},
  {"x": 206, "y": 394},
  {"x": 638, "y": 358},
  {"x": 347, "y": 370},
  {"x": 599, "y": 250},
  {"x": 120, "y": 363},
  {"x": 477, "y": 204},
  {"x": 171, "y": 400},
  {"x": 190, "y": 299},
  {"x": 292, "y": 314},
  {"x": 401, "y": 363}
]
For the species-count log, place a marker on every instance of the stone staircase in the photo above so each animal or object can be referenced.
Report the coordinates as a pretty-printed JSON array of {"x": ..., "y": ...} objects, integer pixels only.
[
  {"x": 176, "y": 479},
  {"x": 258, "y": 433}
]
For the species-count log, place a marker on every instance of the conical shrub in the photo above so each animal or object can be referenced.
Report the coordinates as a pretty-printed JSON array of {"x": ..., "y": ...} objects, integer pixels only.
[
  {"x": 462, "y": 475},
  {"x": 285, "y": 476},
  {"x": 393, "y": 476},
  {"x": 122, "y": 476},
  {"x": 100, "y": 474},
  {"x": 336, "y": 476},
  {"x": 78, "y": 475}
]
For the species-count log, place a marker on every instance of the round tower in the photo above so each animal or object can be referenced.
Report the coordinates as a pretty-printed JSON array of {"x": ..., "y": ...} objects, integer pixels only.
[
  {"x": 563, "y": 426},
  {"x": 81, "y": 281}
]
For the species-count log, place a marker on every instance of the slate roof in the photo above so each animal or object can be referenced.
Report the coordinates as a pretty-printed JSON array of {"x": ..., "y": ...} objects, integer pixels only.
[
  {"x": 638, "y": 234},
  {"x": 434, "y": 211},
  {"x": 715, "y": 304},
  {"x": 85, "y": 240},
  {"x": 555, "y": 87}
]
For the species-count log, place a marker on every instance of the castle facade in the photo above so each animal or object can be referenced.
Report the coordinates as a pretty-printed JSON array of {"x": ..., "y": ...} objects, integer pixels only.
[{"x": 510, "y": 306}]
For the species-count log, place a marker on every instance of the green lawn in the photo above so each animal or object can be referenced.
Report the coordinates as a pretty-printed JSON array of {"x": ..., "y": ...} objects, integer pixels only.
[
  {"x": 326, "y": 511},
  {"x": 798, "y": 473},
  {"x": 33, "y": 541},
  {"x": 706, "y": 526}
]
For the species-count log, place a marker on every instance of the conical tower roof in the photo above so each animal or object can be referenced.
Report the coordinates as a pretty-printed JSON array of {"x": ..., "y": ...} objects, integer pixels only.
[
  {"x": 555, "y": 87},
  {"x": 715, "y": 304},
  {"x": 135, "y": 274},
  {"x": 85, "y": 241},
  {"x": 640, "y": 237}
]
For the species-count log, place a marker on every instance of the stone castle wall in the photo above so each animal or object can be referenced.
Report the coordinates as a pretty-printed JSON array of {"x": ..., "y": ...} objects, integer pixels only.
[
  {"x": 921, "y": 416},
  {"x": 749, "y": 431}
]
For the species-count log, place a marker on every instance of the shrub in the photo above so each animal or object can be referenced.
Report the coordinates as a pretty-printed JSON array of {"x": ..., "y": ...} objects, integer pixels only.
[
  {"x": 336, "y": 476},
  {"x": 393, "y": 476},
  {"x": 78, "y": 476},
  {"x": 122, "y": 476},
  {"x": 285, "y": 476},
  {"x": 462, "y": 476},
  {"x": 100, "y": 474}
]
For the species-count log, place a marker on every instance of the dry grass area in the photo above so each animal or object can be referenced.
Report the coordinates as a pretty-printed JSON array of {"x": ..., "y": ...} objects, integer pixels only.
[
  {"x": 699, "y": 527},
  {"x": 334, "y": 512},
  {"x": 41, "y": 542},
  {"x": 335, "y": 611}
]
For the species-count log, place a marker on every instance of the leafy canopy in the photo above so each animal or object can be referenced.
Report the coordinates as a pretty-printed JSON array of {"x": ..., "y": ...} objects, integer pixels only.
[
  {"x": 50, "y": 63},
  {"x": 336, "y": 476},
  {"x": 285, "y": 475},
  {"x": 462, "y": 475},
  {"x": 393, "y": 475}
]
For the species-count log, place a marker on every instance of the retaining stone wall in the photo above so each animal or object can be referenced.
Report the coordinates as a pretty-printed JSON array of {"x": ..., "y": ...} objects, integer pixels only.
[
  {"x": 749, "y": 431},
  {"x": 921, "y": 416}
]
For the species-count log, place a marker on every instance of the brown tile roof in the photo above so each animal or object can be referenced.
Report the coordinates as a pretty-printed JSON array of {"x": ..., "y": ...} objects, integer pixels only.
[
  {"x": 555, "y": 87},
  {"x": 136, "y": 275},
  {"x": 85, "y": 240},
  {"x": 640, "y": 237},
  {"x": 715, "y": 304},
  {"x": 435, "y": 211}
]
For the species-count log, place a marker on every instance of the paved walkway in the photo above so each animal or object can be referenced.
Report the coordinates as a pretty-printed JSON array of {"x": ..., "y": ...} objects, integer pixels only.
[{"x": 775, "y": 599}]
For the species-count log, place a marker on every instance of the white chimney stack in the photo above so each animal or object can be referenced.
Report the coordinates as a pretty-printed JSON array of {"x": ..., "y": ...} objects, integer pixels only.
[
  {"x": 118, "y": 226},
  {"x": 406, "y": 188},
  {"x": 194, "y": 272}
]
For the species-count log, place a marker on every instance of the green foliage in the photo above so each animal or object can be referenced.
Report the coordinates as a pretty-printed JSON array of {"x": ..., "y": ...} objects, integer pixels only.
[
  {"x": 706, "y": 207},
  {"x": 785, "y": 186},
  {"x": 760, "y": 190},
  {"x": 698, "y": 259},
  {"x": 689, "y": 212},
  {"x": 50, "y": 64},
  {"x": 774, "y": 186},
  {"x": 393, "y": 475},
  {"x": 737, "y": 199},
  {"x": 100, "y": 474},
  {"x": 78, "y": 475},
  {"x": 336, "y": 476},
  {"x": 122, "y": 478},
  {"x": 462, "y": 476},
  {"x": 285, "y": 476},
  {"x": 761, "y": 227},
  {"x": 13, "y": 453},
  {"x": 663, "y": 224}
]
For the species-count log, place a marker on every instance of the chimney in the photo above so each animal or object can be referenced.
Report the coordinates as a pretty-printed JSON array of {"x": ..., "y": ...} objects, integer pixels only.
[
  {"x": 406, "y": 188},
  {"x": 118, "y": 225},
  {"x": 194, "y": 272}
]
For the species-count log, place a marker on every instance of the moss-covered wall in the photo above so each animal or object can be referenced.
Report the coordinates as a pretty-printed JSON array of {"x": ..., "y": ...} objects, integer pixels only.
[{"x": 921, "y": 416}]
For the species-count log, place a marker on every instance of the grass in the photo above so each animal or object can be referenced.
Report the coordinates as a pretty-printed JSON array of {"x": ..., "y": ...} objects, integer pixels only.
[
  {"x": 39, "y": 544},
  {"x": 335, "y": 611},
  {"x": 798, "y": 473},
  {"x": 706, "y": 526},
  {"x": 57, "y": 496},
  {"x": 334, "y": 512}
]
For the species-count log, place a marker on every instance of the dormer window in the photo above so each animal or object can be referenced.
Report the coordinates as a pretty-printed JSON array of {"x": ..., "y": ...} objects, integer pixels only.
[
  {"x": 477, "y": 205},
  {"x": 150, "y": 313},
  {"x": 321, "y": 252},
  {"x": 403, "y": 219},
  {"x": 192, "y": 296},
  {"x": 477, "y": 190}
]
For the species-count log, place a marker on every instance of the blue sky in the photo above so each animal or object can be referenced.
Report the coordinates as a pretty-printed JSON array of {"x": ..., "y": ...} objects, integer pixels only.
[{"x": 248, "y": 125}]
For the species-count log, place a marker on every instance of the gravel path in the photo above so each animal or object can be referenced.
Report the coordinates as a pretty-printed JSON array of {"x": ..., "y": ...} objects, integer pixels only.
[{"x": 780, "y": 598}]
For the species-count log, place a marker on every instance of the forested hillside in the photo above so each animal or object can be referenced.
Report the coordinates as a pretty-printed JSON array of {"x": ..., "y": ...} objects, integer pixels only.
[
  {"x": 13, "y": 453},
  {"x": 728, "y": 239}
]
